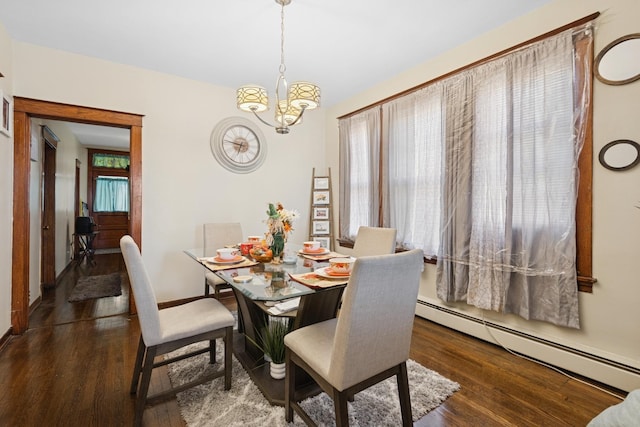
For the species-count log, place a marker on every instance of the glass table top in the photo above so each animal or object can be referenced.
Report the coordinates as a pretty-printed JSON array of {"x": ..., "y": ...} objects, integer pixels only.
[{"x": 268, "y": 282}]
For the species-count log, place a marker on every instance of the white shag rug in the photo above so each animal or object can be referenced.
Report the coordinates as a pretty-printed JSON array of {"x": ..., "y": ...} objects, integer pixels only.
[{"x": 244, "y": 405}]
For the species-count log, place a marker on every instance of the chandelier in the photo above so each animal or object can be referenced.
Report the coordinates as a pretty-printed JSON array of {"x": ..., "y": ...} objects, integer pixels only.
[{"x": 291, "y": 101}]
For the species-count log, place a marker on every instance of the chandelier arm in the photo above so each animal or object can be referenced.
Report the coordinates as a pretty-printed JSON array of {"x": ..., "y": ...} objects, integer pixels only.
[{"x": 253, "y": 110}]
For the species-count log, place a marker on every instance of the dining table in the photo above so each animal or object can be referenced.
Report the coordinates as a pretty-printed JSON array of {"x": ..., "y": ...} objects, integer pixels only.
[{"x": 299, "y": 290}]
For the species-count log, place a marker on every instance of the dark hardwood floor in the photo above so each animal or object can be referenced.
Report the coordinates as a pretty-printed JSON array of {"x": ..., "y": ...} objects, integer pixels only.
[{"x": 73, "y": 367}]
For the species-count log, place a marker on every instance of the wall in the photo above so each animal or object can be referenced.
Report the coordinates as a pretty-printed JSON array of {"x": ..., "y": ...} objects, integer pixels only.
[
  {"x": 6, "y": 190},
  {"x": 609, "y": 316},
  {"x": 182, "y": 184}
]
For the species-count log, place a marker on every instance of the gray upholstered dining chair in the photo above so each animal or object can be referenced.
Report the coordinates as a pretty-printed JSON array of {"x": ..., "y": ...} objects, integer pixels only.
[
  {"x": 166, "y": 330},
  {"x": 367, "y": 343},
  {"x": 217, "y": 235},
  {"x": 374, "y": 241}
]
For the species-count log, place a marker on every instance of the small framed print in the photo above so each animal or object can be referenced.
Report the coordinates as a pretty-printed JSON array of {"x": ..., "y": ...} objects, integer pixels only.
[
  {"x": 325, "y": 242},
  {"x": 320, "y": 197},
  {"x": 320, "y": 213},
  {"x": 321, "y": 183},
  {"x": 5, "y": 115},
  {"x": 320, "y": 227}
]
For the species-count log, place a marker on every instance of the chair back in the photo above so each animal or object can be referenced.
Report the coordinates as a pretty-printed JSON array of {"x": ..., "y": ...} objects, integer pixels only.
[
  {"x": 146, "y": 303},
  {"x": 374, "y": 241},
  {"x": 219, "y": 234},
  {"x": 373, "y": 331}
]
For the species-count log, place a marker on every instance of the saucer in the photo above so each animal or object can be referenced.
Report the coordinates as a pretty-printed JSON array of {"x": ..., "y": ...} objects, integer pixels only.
[
  {"x": 322, "y": 272},
  {"x": 321, "y": 251},
  {"x": 234, "y": 260}
]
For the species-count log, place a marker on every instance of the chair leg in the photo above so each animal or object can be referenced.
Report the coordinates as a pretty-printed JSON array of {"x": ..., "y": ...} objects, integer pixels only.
[
  {"x": 138, "y": 366},
  {"x": 403, "y": 394},
  {"x": 144, "y": 385},
  {"x": 289, "y": 387},
  {"x": 206, "y": 288},
  {"x": 340, "y": 404},
  {"x": 212, "y": 351},
  {"x": 228, "y": 347}
]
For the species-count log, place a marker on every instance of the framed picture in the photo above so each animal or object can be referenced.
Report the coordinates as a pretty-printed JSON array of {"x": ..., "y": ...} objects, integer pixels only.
[
  {"x": 5, "y": 115},
  {"x": 320, "y": 197},
  {"x": 320, "y": 213},
  {"x": 321, "y": 183},
  {"x": 320, "y": 227},
  {"x": 325, "y": 242}
]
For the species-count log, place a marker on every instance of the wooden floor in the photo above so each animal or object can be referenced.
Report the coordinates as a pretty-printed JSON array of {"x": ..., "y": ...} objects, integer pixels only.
[{"x": 73, "y": 367}]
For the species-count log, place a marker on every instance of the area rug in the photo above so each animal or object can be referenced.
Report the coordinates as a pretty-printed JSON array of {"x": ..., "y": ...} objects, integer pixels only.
[
  {"x": 91, "y": 287},
  {"x": 209, "y": 405}
]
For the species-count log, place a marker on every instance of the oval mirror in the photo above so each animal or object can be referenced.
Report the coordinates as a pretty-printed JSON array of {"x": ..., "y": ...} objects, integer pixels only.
[
  {"x": 619, "y": 62},
  {"x": 620, "y": 155}
]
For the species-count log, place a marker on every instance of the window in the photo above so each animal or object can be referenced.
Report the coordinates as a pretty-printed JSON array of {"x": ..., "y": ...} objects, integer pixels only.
[
  {"x": 480, "y": 170},
  {"x": 112, "y": 194}
]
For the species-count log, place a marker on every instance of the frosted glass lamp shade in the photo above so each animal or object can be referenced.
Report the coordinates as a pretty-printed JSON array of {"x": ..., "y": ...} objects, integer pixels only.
[
  {"x": 252, "y": 98},
  {"x": 304, "y": 94},
  {"x": 290, "y": 114}
]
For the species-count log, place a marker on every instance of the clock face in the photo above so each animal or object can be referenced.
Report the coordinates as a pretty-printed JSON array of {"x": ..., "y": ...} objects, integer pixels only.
[{"x": 238, "y": 145}]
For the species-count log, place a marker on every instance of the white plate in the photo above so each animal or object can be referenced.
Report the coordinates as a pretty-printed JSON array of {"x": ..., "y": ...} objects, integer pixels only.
[
  {"x": 216, "y": 260},
  {"x": 322, "y": 252},
  {"x": 322, "y": 273}
]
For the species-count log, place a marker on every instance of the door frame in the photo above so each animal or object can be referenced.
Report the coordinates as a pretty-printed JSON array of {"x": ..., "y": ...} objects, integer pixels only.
[
  {"x": 48, "y": 203},
  {"x": 24, "y": 110}
]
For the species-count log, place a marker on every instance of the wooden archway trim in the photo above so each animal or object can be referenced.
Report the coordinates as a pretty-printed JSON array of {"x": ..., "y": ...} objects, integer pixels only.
[{"x": 24, "y": 110}]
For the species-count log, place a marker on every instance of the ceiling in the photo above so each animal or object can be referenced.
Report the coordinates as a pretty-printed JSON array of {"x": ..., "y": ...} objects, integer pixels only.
[{"x": 344, "y": 46}]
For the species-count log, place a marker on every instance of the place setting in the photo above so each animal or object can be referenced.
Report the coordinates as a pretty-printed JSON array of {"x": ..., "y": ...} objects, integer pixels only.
[
  {"x": 337, "y": 273},
  {"x": 313, "y": 251},
  {"x": 229, "y": 257}
]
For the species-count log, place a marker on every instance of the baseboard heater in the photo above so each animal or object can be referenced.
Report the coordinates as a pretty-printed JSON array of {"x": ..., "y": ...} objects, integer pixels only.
[{"x": 596, "y": 358}]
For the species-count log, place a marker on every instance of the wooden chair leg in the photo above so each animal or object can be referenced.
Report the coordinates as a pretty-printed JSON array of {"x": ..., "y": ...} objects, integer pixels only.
[
  {"x": 206, "y": 288},
  {"x": 340, "y": 403},
  {"x": 138, "y": 366},
  {"x": 228, "y": 347},
  {"x": 212, "y": 352},
  {"x": 144, "y": 384},
  {"x": 289, "y": 387},
  {"x": 403, "y": 394}
]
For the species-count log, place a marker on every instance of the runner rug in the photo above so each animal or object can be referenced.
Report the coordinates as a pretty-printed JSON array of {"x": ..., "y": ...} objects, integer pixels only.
[
  {"x": 90, "y": 287},
  {"x": 209, "y": 405}
]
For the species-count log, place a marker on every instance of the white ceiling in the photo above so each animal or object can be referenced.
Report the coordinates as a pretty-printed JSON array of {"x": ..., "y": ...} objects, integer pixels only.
[{"x": 344, "y": 46}]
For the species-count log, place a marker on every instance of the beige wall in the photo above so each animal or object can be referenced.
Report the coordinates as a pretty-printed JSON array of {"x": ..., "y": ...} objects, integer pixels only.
[
  {"x": 182, "y": 184},
  {"x": 6, "y": 190},
  {"x": 610, "y": 316}
]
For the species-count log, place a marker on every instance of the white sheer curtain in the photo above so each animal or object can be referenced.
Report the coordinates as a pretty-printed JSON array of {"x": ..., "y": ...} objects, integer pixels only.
[
  {"x": 359, "y": 164},
  {"x": 413, "y": 140},
  {"x": 511, "y": 182},
  {"x": 112, "y": 194}
]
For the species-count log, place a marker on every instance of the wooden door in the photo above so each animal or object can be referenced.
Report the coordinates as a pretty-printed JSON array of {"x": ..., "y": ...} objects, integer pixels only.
[
  {"x": 48, "y": 233},
  {"x": 111, "y": 226}
]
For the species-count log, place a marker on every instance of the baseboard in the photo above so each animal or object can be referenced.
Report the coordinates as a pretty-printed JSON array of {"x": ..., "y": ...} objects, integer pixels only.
[
  {"x": 5, "y": 338},
  {"x": 605, "y": 371},
  {"x": 35, "y": 304}
]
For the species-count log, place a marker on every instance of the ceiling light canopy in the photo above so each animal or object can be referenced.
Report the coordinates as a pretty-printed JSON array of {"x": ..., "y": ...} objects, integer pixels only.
[{"x": 291, "y": 101}]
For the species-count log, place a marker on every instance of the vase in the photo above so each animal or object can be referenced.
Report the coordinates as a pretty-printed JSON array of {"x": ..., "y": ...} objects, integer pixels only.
[
  {"x": 277, "y": 370},
  {"x": 277, "y": 247}
]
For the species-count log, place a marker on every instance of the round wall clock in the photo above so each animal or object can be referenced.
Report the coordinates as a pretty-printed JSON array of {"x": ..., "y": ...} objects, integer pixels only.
[{"x": 238, "y": 145}]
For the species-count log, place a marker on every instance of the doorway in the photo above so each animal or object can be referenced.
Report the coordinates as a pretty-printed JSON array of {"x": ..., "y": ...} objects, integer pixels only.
[
  {"x": 24, "y": 110},
  {"x": 48, "y": 232}
]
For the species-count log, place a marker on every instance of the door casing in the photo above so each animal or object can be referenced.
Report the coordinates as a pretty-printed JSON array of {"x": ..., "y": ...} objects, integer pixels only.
[{"x": 24, "y": 110}]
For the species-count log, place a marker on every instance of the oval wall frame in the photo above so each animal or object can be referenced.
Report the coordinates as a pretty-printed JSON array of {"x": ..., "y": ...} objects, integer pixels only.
[
  {"x": 620, "y": 155},
  {"x": 618, "y": 63}
]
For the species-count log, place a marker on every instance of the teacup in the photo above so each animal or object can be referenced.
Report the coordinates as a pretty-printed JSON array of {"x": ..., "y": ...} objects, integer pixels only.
[
  {"x": 311, "y": 246},
  {"x": 341, "y": 265},
  {"x": 227, "y": 253},
  {"x": 245, "y": 247},
  {"x": 254, "y": 239}
]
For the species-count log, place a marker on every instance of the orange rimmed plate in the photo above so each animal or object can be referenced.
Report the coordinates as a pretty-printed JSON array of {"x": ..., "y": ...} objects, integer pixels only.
[
  {"x": 322, "y": 272},
  {"x": 234, "y": 260}
]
